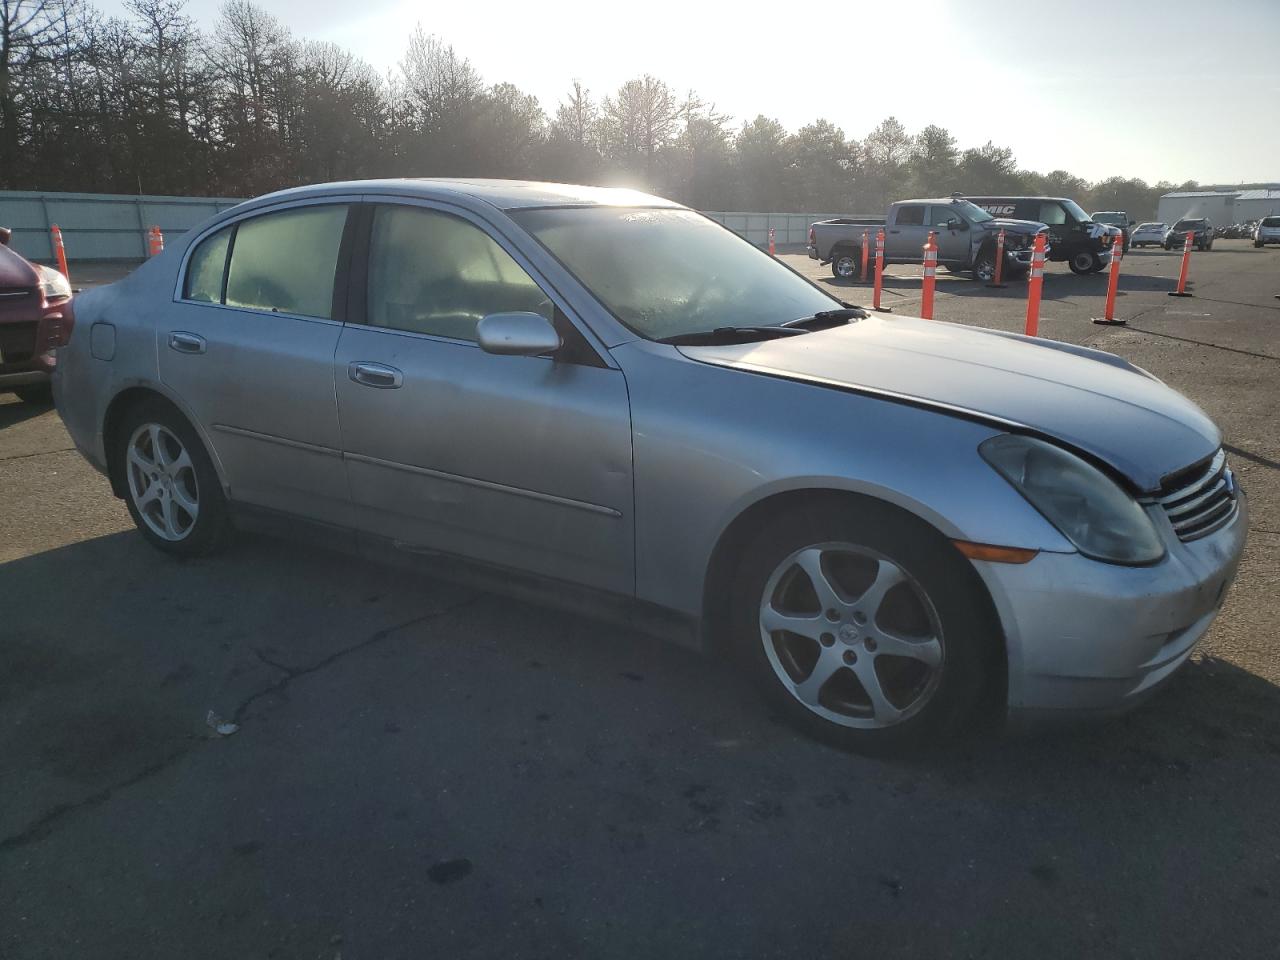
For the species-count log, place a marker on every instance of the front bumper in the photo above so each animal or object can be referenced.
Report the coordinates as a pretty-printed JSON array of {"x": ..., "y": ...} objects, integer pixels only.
[{"x": 1085, "y": 637}]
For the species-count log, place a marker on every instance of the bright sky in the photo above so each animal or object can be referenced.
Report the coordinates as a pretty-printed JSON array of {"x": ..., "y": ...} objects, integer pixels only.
[{"x": 1159, "y": 89}]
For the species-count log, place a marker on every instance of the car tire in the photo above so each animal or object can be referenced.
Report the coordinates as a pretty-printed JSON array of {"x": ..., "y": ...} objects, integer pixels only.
[
  {"x": 845, "y": 264},
  {"x": 904, "y": 665},
  {"x": 170, "y": 485},
  {"x": 38, "y": 394},
  {"x": 1084, "y": 262},
  {"x": 984, "y": 265}
]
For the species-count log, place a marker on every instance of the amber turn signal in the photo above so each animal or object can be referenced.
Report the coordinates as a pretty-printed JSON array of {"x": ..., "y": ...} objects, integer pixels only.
[{"x": 989, "y": 551}]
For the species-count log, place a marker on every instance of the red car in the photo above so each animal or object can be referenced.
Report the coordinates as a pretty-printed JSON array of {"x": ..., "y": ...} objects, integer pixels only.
[{"x": 35, "y": 319}]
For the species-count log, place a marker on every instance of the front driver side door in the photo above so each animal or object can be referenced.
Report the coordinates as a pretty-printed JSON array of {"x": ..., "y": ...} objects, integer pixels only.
[
  {"x": 524, "y": 462},
  {"x": 953, "y": 241}
]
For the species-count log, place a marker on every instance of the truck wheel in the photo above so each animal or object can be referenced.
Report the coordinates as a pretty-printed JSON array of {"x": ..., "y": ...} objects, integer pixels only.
[
  {"x": 1084, "y": 262},
  {"x": 844, "y": 265},
  {"x": 984, "y": 268}
]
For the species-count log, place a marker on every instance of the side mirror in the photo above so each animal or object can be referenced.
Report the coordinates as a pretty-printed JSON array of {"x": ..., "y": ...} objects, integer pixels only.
[
  {"x": 5, "y": 234},
  {"x": 517, "y": 335}
]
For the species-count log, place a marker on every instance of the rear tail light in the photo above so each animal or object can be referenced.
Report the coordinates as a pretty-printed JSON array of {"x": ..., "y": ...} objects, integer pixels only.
[{"x": 813, "y": 236}]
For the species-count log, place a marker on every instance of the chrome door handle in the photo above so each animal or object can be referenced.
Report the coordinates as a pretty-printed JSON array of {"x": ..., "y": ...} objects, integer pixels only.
[
  {"x": 375, "y": 375},
  {"x": 186, "y": 342}
]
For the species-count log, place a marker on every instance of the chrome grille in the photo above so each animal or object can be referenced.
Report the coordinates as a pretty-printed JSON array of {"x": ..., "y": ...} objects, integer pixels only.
[{"x": 1200, "y": 501}]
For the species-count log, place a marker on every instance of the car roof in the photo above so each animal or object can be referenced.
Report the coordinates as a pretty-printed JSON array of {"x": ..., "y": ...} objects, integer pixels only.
[
  {"x": 502, "y": 194},
  {"x": 1003, "y": 197}
]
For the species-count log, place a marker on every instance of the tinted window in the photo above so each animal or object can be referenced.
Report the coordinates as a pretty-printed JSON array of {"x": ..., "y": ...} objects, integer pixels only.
[
  {"x": 433, "y": 273},
  {"x": 1052, "y": 213},
  {"x": 1189, "y": 225},
  {"x": 285, "y": 262},
  {"x": 1271, "y": 221},
  {"x": 206, "y": 268},
  {"x": 909, "y": 216}
]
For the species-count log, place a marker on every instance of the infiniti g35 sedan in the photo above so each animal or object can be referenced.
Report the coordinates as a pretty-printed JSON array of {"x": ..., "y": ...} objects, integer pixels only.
[{"x": 890, "y": 523}]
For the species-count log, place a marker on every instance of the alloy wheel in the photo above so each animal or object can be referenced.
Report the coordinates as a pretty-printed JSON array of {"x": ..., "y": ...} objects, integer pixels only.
[
  {"x": 851, "y": 635},
  {"x": 162, "y": 482}
]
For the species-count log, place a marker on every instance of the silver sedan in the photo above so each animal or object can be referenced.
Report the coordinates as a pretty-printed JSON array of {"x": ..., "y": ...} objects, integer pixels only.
[{"x": 597, "y": 396}]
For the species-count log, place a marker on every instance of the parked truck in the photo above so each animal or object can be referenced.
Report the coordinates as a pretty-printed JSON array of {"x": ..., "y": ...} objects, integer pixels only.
[{"x": 966, "y": 238}]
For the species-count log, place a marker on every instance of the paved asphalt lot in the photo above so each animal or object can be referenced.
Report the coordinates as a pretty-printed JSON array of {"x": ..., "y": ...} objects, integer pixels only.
[{"x": 422, "y": 770}]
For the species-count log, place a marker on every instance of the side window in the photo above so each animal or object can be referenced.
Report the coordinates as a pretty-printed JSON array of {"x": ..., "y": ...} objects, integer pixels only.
[
  {"x": 433, "y": 273},
  {"x": 286, "y": 262},
  {"x": 938, "y": 216},
  {"x": 910, "y": 216},
  {"x": 206, "y": 268},
  {"x": 1052, "y": 213}
]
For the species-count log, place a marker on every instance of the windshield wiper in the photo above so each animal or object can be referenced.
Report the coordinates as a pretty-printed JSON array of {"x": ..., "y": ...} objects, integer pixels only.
[
  {"x": 730, "y": 335},
  {"x": 827, "y": 318}
]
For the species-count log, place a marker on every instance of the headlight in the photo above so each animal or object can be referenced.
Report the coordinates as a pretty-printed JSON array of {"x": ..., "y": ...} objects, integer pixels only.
[
  {"x": 1086, "y": 505},
  {"x": 54, "y": 284}
]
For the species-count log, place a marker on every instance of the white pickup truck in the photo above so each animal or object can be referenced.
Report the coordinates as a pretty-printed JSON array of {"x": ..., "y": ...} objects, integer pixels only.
[{"x": 966, "y": 238}]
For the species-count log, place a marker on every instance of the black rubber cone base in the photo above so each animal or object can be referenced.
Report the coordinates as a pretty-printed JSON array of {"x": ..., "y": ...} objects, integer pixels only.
[
  {"x": 1175, "y": 293},
  {"x": 1103, "y": 321}
]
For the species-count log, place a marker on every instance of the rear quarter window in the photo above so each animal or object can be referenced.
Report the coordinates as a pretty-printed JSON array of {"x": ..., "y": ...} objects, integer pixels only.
[{"x": 207, "y": 267}]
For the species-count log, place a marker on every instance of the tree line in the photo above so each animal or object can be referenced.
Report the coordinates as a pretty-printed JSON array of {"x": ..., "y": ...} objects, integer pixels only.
[{"x": 152, "y": 103}]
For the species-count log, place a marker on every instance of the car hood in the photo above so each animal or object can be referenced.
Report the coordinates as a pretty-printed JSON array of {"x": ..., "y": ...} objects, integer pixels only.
[
  {"x": 15, "y": 270},
  {"x": 1086, "y": 399}
]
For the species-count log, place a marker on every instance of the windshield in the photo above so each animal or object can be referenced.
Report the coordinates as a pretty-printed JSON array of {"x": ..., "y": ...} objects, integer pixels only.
[
  {"x": 1076, "y": 211},
  {"x": 1188, "y": 225},
  {"x": 972, "y": 212},
  {"x": 1271, "y": 221},
  {"x": 1114, "y": 219},
  {"x": 664, "y": 273}
]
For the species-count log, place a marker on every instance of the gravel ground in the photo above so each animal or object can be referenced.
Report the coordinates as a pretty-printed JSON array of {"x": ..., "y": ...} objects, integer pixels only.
[{"x": 425, "y": 770}]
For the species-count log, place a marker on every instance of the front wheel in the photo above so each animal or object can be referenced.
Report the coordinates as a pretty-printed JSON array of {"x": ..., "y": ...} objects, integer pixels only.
[
  {"x": 863, "y": 629},
  {"x": 171, "y": 488},
  {"x": 1085, "y": 262},
  {"x": 984, "y": 267}
]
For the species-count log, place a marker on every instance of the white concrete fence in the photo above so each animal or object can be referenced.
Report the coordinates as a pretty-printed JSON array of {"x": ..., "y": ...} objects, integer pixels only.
[{"x": 106, "y": 226}]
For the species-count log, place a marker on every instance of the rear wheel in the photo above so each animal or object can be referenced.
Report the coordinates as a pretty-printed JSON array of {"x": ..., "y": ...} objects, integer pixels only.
[
  {"x": 863, "y": 629},
  {"x": 171, "y": 487},
  {"x": 845, "y": 264}
]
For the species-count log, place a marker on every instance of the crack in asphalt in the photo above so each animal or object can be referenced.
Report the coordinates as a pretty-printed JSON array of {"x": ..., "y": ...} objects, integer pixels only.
[
  {"x": 44, "y": 825},
  {"x": 40, "y": 453},
  {"x": 293, "y": 673}
]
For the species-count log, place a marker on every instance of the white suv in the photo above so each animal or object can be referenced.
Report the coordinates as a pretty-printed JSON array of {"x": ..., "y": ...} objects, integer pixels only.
[{"x": 1267, "y": 231}]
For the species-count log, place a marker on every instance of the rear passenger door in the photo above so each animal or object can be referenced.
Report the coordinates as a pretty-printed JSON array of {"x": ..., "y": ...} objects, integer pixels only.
[
  {"x": 523, "y": 462},
  {"x": 248, "y": 349},
  {"x": 906, "y": 236}
]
